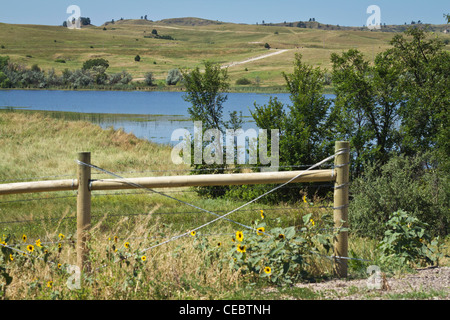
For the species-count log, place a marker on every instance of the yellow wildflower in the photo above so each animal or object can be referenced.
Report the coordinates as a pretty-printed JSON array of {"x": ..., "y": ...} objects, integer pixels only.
[
  {"x": 126, "y": 245},
  {"x": 24, "y": 238},
  {"x": 240, "y": 248},
  {"x": 268, "y": 270},
  {"x": 262, "y": 214},
  {"x": 61, "y": 236},
  {"x": 312, "y": 222},
  {"x": 30, "y": 248},
  {"x": 49, "y": 284},
  {"x": 38, "y": 243},
  {"x": 239, "y": 236},
  {"x": 143, "y": 258},
  {"x": 260, "y": 231},
  {"x": 193, "y": 233}
]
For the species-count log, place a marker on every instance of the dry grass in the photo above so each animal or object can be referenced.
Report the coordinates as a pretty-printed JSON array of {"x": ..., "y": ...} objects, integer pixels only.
[{"x": 44, "y": 146}]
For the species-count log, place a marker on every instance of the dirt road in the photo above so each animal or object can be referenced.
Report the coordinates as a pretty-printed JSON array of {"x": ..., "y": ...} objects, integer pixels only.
[{"x": 272, "y": 52}]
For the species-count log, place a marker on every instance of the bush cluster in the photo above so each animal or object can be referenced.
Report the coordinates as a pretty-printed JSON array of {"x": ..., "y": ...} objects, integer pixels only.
[{"x": 93, "y": 73}]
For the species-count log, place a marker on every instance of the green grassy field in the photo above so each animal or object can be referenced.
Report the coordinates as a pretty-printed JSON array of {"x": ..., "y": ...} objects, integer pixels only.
[{"x": 222, "y": 43}]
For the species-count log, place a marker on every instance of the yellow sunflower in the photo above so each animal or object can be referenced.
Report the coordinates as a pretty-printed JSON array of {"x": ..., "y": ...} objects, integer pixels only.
[
  {"x": 240, "y": 248},
  {"x": 24, "y": 238},
  {"x": 38, "y": 243},
  {"x": 260, "y": 231},
  {"x": 143, "y": 258},
  {"x": 267, "y": 270},
  {"x": 49, "y": 284},
  {"x": 193, "y": 233},
  {"x": 61, "y": 236},
  {"x": 262, "y": 214},
  {"x": 30, "y": 247},
  {"x": 126, "y": 245},
  {"x": 239, "y": 236}
]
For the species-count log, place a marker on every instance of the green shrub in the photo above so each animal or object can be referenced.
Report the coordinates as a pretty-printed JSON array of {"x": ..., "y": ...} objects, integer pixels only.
[
  {"x": 405, "y": 241},
  {"x": 89, "y": 64},
  {"x": 149, "y": 79},
  {"x": 404, "y": 183},
  {"x": 173, "y": 77},
  {"x": 243, "y": 81},
  {"x": 164, "y": 37},
  {"x": 4, "y": 81}
]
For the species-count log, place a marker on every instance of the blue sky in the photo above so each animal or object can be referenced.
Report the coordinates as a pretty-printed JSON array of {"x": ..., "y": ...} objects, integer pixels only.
[{"x": 344, "y": 13}]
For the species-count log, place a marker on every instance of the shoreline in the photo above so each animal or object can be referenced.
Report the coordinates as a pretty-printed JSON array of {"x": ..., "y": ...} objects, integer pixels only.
[{"x": 257, "y": 90}]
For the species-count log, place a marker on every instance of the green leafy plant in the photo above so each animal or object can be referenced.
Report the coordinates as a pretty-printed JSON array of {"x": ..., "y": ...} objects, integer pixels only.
[
  {"x": 278, "y": 254},
  {"x": 405, "y": 241}
]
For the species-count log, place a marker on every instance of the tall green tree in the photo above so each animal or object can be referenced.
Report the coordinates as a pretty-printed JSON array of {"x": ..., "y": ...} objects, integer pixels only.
[
  {"x": 366, "y": 105},
  {"x": 303, "y": 134},
  {"x": 206, "y": 92},
  {"x": 305, "y": 139},
  {"x": 425, "y": 66}
]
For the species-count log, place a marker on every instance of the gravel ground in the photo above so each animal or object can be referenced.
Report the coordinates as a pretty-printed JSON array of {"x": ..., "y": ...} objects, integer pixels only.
[{"x": 429, "y": 283}]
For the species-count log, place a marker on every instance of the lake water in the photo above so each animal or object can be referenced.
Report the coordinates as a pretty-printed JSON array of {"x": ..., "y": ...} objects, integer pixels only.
[{"x": 149, "y": 115}]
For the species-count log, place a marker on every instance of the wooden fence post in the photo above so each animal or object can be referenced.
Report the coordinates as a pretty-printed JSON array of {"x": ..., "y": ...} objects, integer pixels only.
[
  {"x": 342, "y": 165},
  {"x": 83, "y": 210}
]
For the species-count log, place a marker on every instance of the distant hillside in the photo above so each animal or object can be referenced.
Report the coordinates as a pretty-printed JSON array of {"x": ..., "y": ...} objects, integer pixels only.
[
  {"x": 186, "y": 42},
  {"x": 188, "y": 21},
  {"x": 312, "y": 24},
  {"x": 384, "y": 27}
]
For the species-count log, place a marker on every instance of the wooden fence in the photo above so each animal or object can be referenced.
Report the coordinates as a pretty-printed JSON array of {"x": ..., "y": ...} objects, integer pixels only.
[{"x": 84, "y": 185}]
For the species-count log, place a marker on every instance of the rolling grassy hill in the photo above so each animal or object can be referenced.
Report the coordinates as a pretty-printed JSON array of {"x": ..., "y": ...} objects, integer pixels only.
[{"x": 194, "y": 40}]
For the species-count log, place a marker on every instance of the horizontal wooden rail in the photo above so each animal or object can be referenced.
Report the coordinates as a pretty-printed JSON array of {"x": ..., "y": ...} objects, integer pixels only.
[{"x": 172, "y": 181}]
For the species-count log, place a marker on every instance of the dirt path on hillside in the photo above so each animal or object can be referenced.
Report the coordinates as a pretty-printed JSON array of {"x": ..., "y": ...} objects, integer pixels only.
[
  {"x": 272, "y": 53},
  {"x": 232, "y": 64}
]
